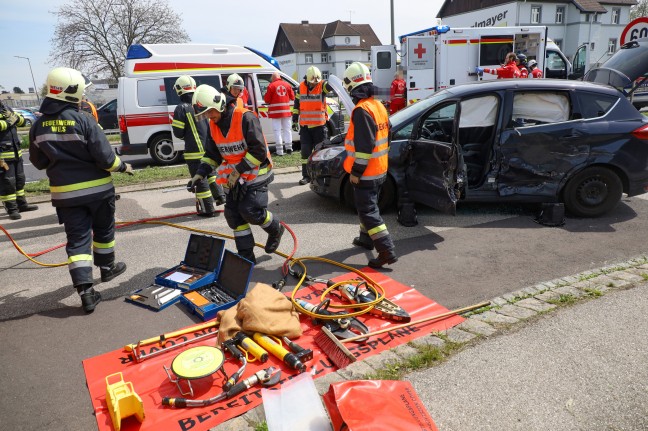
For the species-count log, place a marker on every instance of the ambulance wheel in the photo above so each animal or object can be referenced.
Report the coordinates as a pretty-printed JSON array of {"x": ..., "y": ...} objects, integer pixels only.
[{"x": 162, "y": 151}]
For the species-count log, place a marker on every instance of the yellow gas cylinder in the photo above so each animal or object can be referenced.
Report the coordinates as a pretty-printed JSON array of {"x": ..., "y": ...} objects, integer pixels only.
[{"x": 122, "y": 400}]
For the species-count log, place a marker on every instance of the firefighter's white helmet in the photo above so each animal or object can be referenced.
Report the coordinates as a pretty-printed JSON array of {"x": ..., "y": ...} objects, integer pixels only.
[
  {"x": 207, "y": 97},
  {"x": 313, "y": 75},
  {"x": 66, "y": 84},
  {"x": 184, "y": 84},
  {"x": 356, "y": 74},
  {"x": 532, "y": 63},
  {"x": 235, "y": 80}
]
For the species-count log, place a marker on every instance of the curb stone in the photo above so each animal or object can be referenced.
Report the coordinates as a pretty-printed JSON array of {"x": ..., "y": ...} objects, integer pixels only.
[{"x": 632, "y": 273}]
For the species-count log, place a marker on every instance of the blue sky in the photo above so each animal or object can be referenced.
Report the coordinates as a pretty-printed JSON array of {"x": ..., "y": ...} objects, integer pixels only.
[{"x": 29, "y": 27}]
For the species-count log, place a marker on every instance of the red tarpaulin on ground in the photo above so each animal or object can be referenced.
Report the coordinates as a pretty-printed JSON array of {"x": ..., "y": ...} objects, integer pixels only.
[{"x": 151, "y": 383}]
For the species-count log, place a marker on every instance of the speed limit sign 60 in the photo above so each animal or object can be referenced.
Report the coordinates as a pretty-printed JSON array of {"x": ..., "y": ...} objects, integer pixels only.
[{"x": 637, "y": 29}]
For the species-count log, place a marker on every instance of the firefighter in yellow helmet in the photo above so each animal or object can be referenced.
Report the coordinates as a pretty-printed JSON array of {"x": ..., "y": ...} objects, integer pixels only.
[
  {"x": 12, "y": 171},
  {"x": 310, "y": 110},
  {"x": 238, "y": 151},
  {"x": 79, "y": 162},
  {"x": 235, "y": 87},
  {"x": 367, "y": 148},
  {"x": 193, "y": 131}
]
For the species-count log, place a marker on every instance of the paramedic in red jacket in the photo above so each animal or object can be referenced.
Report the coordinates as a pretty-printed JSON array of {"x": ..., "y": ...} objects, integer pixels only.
[
  {"x": 278, "y": 97},
  {"x": 397, "y": 93},
  {"x": 509, "y": 70},
  {"x": 535, "y": 70}
]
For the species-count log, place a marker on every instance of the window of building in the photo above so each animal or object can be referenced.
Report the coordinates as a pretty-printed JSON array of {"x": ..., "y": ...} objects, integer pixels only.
[
  {"x": 612, "y": 46},
  {"x": 560, "y": 14},
  {"x": 309, "y": 58},
  {"x": 325, "y": 75},
  {"x": 536, "y": 14},
  {"x": 324, "y": 58},
  {"x": 616, "y": 13},
  {"x": 369, "y": 56},
  {"x": 347, "y": 63}
]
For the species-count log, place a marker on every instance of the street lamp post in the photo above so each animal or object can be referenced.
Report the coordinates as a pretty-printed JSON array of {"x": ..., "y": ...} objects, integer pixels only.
[{"x": 32, "y": 75}]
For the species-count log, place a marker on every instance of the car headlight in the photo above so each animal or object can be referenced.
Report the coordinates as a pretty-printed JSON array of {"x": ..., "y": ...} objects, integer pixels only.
[{"x": 326, "y": 154}]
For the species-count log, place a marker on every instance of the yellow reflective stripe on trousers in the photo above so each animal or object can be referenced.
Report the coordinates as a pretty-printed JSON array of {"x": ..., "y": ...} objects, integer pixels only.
[
  {"x": 79, "y": 261},
  {"x": 204, "y": 195},
  {"x": 268, "y": 220},
  {"x": 242, "y": 230},
  {"x": 6, "y": 198},
  {"x": 103, "y": 247}
]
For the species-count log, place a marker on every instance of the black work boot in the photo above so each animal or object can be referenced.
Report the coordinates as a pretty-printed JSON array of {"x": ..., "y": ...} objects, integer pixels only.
[
  {"x": 384, "y": 258},
  {"x": 273, "y": 240},
  {"x": 363, "y": 241},
  {"x": 304, "y": 181},
  {"x": 113, "y": 271},
  {"x": 248, "y": 254},
  {"x": 89, "y": 297},
  {"x": 23, "y": 206},
  {"x": 12, "y": 209}
]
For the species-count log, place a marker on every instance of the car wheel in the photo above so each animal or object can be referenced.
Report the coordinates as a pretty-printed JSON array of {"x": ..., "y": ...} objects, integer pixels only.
[
  {"x": 592, "y": 192},
  {"x": 386, "y": 196},
  {"x": 162, "y": 151},
  {"x": 28, "y": 122}
]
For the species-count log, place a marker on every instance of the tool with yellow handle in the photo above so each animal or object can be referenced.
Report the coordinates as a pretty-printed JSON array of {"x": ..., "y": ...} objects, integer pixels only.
[
  {"x": 162, "y": 339},
  {"x": 277, "y": 350},
  {"x": 249, "y": 346}
]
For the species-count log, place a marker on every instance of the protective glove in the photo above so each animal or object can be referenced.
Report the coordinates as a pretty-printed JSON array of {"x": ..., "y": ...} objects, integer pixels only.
[
  {"x": 238, "y": 191},
  {"x": 128, "y": 169},
  {"x": 232, "y": 179},
  {"x": 479, "y": 70},
  {"x": 191, "y": 185},
  {"x": 10, "y": 117},
  {"x": 295, "y": 127}
]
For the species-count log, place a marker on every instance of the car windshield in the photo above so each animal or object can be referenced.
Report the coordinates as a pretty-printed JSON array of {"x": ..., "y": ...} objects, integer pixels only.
[{"x": 416, "y": 109}]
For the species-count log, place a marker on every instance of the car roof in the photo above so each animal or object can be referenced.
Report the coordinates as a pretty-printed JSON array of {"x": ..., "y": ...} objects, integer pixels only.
[{"x": 529, "y": 84}]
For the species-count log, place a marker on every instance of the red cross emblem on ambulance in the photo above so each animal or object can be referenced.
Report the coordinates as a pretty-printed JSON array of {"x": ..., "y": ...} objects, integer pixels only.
[{"x": 419, "y": 50}]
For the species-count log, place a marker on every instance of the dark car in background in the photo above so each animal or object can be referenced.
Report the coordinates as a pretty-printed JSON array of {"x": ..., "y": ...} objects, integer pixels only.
[
  {"x": 626, "y": 70},
  {"x": 518, "y": 140},
  {"x": 107, "y": 115}
]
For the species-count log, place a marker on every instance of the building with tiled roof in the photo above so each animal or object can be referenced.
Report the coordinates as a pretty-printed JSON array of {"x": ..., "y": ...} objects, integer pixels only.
[
  {"x": 331, "y": 47},
  {"x": 570, "y": 24}
]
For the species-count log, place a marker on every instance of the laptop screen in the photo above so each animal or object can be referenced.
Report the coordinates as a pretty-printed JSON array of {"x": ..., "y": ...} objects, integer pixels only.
[{"x": 234, "y": 274}]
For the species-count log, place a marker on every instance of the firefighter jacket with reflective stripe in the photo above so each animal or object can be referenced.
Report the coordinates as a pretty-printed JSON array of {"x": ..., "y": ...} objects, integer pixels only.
[
  {"x": 278, "y": 97},
  {"x": 9, "y": 140},
  {"x": 194, "y": 132},
  {"x": 367, "y": 141},
  {"x": 73, "y": 149},
  {"x": 311, "y": 104},
  {"x": 237, "y": 142}
]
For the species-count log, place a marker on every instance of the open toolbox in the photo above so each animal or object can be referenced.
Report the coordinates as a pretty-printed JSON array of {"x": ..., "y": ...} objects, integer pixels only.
[
  {"x": 200, "y": 266},
  {"x": 229, "y": 288}
]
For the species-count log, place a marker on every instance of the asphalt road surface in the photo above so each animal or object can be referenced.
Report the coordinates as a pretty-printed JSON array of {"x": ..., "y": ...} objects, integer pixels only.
[{"x": 483, "y": 252}]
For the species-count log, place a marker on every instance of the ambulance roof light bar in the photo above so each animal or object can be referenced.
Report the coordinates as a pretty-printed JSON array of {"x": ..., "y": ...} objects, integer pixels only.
[{"x": 137, "y": 52}]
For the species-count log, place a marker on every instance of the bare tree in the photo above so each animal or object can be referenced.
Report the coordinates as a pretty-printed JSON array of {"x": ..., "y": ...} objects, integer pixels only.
[
  {"x": 93, "y": 36},
  {"x": 640, "y": 9}
]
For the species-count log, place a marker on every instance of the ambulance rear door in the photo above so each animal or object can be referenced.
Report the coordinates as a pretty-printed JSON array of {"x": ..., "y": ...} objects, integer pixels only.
[
  {"x": 383, "y": 69},
  {"x": 420, "y": 60}
]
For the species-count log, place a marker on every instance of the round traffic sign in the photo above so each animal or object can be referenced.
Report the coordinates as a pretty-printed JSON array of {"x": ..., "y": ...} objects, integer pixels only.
[{"x": 636, "y": 29}]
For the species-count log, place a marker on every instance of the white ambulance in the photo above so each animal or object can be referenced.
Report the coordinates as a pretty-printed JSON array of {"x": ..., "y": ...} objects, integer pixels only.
[
  {"x": 441, "y": 57},
  {"x": 146, "y": 99}
]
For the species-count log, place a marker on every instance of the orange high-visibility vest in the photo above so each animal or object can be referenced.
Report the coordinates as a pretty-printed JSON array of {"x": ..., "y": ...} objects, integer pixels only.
[
  {"x": 376, "y": 161},
  {"x": 233, "y": 148},
  {"x": 312, "y": 107}
]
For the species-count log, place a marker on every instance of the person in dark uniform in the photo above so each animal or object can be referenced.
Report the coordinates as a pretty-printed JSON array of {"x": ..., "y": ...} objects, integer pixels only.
[
  {"x": 79, "y": 160},
  {"x": 12, "y": 171},
  {"x": 194, "y": 131},
  {"x": 367, "y": 149},
  {"x": 238, "y": 151}
]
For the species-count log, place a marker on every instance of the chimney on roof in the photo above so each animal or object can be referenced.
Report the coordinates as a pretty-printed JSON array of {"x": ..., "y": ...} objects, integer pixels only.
[{"x": 305, "y": 22}]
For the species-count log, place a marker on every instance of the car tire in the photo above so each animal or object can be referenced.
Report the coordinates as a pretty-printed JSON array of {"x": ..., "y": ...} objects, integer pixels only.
[
  {"x": 28, "y": 123},
  {"x": 162, "y": 151},
  {"x": 386, "y": 196},
  {"x": 592, "y": 192}
]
